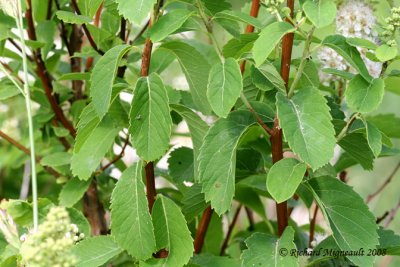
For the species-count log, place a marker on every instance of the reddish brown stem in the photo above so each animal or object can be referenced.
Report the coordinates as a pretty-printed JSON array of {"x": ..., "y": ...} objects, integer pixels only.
[
  {"x": 16, "y": 45},
  {"x": 118, "y": 157},
  {"x": 230, "y": 230},
  {"x": 287, "y": 45},
  {"x": 94, "y": 210},
  {"x": 202, "y": 230},
  {"x": 386, "y": 183},
  {"x": 89, "y": 61},
  {"x": 312, "y": 226},
  {"x": 250, "y": 217}
]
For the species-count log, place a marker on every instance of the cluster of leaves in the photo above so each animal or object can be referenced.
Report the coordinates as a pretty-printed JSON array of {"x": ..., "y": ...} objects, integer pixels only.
[{"x": 232, "y": 157}]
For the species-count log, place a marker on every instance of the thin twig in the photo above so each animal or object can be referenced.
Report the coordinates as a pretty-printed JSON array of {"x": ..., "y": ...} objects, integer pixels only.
[
  {"x": 202, "y": 230},
  {"x": 312, "y": 226},
  {"x": 347, "y": 126},
  {"x": 381, "y": 218},
  {"x": 250, "y": 217},
  {"x": 392, "y": 215},
  {"x": 18, "y": 47},
  {"x": 118, "y": 157},
  {"x": 89, "y": 61},
  {"x": 49, "y": 7},
  {"x": 230, "y": 230},
  {"x": 385, "y": 183}
]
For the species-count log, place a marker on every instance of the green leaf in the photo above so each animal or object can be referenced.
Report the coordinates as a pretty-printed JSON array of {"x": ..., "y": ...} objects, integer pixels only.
[
  {"x": 320, "y": 12},
  {"x": 363, "y": 96},
  {"x": 102, "y": 78},
  {"x": 193, "y": 202},
  {"x": 72, "y": 18},
  {"x": 168, "y": 24},
  {"x": 358, "y": 148},
  {"x": 135, "y": 10},
  {"x": 171, "y": 232},
  {"x": 89, "y": 7},
  {"x": 150, "y": 119},
  {"x": 348, "y": 52},
  {"x": 389, "y": 124},
  {"x": 95, "y": 251},
  {"x": 238, "y": 16},
  {"x": 131, "y": 224},
  {"x": 260, "y": 245},
  {"x": 236, "y": 47},
  {"x": 271, "y": 76},
  {"x": 374, "y": 138},
  {"x": 196, "y": 68},
  {"x": 198, "y": 129},
  {"x": 8, "y": 90},
  {"x": 75, "y": 76},
  {"x": 88, "y": 156},
  {"x": 73, "y": 191},
  {"x": 306, "y": 124},
  {"x": 224, "y": 86},
  {"x": 210, "y": 260},
  {"x": 390, "y": 241},
  {"x": 180, "y": 164},
  {"x": 353, "y": 225},
  {"x": 363, "y": 43},
  {"x": 344, "y": 74},
  {"x": 56, "y": 159},
  {"x": 284, "y": 177},
  {"x": 217, "y": 159},
  {"x": 385, "y": 53},
  {"x": 268, "y": 39}
]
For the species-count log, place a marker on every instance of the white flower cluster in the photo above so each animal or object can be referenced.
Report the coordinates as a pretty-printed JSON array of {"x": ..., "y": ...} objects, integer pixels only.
[
  {"x": 393, "y": 23},
  {"x": 51, "y": 244},
  {"x": 354, "y": 19},
  {"x": 273, "y": 6}
]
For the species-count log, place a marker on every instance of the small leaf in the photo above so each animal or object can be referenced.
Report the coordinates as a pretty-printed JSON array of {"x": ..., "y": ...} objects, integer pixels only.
[
  {"x": 103, "y": 76},
  {"x": 259, "y": 245},
  {"x": 374, "y": 138},
  {"x": 180, "y": 164},
  {"x": 236, "y": 47},
  {"x": 353, "y": 225},
  {"x": 390, "y": 241},
  {"x": 224, "y": 86},
  {"x": 284, "y": 177},
  {"x": 130, "y": 218},
  {"x": 150, "y": 119},
  {"x": 268, "y": 39},
  {"x": 168, "y": 24},
  {"x": 272, "y": 76},
  {"x": 73, "y": 191},
  {"x": 320, "y": 12},
  {"x": 72, "y": 18},
  {"x": 358, "y": 148},
  {"x": 135, "y": 10},
  {"x": 363, "y": 96},
  {"x": 306, "y": 124},
  {"x": 56, "y": 159},
  {"x": 385, "y": 53},
  {"x": 95, "y": 251},
  {"x": 218, "y": 158},
  {"x": 171, "y": 232}
]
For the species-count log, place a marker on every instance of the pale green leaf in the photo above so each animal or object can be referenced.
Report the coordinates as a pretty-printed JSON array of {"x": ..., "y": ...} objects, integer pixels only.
[
  {"x": 363, "y": 96},
  {"x": 388, "y": 124},
  {"x": 198, "y": 129},
  {"x": 224, "y": 86},
  {"x": 8, "y": 90},
  {"x": 272, "y": 76},
  {"x": 102, "y": 78},
  {"x": 284, "y": 177},
  {"x": 95, "y": 251},
  {"x": 131, "y": 224},
  {"x": 73, "y": 191},
  {"x": 385, "y": 53},
  {"x": 264, "y": 250},
  {"x": 171, "y": 233},
  {"x": 85, "y": 161},
  {"x": 217, "y": 159},
  {"x": 353, "y": 225},
  {"x": 360, "y": 42},
  {"x": 89, "y": 7},
  {"x": 268, "y": 39},
  {"x": 236, "y": 47},
  {"x": 358, "y": 148},
  {"x": 168, "y": 24},
  {"x": 374, "y": 138},
  {"x": 150, "y": 119},
  {"x": 320, "y": 12},
  {"x": 238, "y": 16},
  {"x": 56, "y": 159},
  {"x": 135, "y": 10},
  {"x": 306, "y": 124},
  {"x": 196, "y": 68},
  {"x": 72, "y": 18},
  {"x": 180, "y": 164}
]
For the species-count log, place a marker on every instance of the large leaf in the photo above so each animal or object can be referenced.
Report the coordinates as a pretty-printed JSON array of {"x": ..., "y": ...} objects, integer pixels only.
[
  {"x": 353, "y": 225},
  {"x": 171, "y": 233},
  {"x": 320, "y": 12},
  {"x": 224, "y": 86},
  {"x": 87, "y": 158},
  {"x": 103, "y": 76},
  {"x": 196, "y": 68},
  {"x": 130, "y": 218},
  {"x": 218, "y": 158},
  {"x": 268, "y": 39},
  {"x": 284, "y": 177},
  {"x": 168, "y": 24},
  {"x": 150, "y": 118},
  {"x": 388, "y": 124},
  {"x": 198, "y": 129},
  {"x": 135, "y": 10},
  {"x": 260, "y": 246},
  {"x": 363, "y": 96},
  {"x": 306, "y": 124},
  {"x": 95, "y": 251}
]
